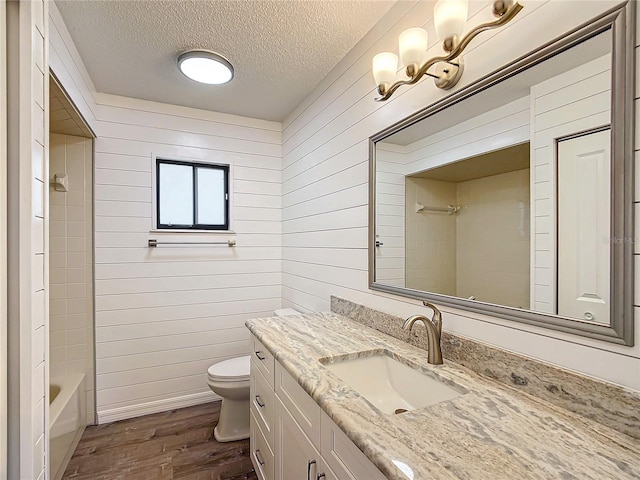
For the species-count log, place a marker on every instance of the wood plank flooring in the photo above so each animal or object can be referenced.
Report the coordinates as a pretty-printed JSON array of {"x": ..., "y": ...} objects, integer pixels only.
[{"x": 177, "y": 444}]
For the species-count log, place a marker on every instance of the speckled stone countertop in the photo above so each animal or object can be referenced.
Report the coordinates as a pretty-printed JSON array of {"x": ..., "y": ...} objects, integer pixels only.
[{"x": 490, "y": 432}]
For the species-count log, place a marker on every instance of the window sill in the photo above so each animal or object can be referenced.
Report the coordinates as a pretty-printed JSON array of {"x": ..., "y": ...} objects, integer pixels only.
[{"x": 210, "y": 232}]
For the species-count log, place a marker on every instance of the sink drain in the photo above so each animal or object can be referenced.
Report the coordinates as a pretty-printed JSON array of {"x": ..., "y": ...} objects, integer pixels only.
[{"x": 400, "y": 410}]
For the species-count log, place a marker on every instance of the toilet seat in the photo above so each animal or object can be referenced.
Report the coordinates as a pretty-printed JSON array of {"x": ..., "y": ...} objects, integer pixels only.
[
  {"x": 230, "y": 381},
  {"x": 232, "y": 370}
]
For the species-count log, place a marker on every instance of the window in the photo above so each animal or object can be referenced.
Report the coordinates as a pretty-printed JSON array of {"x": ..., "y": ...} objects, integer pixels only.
[{"x": 192, "y": 195}]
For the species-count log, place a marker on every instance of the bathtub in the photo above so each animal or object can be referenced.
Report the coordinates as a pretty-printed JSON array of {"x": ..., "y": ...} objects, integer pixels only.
[{"x": 67, "y": 419}]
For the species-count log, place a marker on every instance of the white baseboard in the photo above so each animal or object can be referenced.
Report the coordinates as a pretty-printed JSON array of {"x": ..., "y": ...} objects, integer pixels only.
[{"x": 157, "y": 406}]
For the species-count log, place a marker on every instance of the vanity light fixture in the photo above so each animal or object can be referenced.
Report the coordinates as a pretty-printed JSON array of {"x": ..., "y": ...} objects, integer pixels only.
[
  {"x": 205, "y": 67},
  {"x": 450, "y": 17}
]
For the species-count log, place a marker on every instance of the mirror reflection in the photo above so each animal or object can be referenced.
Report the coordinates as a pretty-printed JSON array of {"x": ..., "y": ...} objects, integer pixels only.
[{"x": 505, "y": 197}]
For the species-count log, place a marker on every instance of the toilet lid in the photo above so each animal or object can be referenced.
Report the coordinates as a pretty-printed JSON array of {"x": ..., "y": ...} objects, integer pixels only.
[{"x": 232, "y": 369}]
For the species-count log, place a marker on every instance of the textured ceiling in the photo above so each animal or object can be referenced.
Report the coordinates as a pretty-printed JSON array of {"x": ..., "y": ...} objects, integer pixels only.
[{"x": 280, "y": 49}]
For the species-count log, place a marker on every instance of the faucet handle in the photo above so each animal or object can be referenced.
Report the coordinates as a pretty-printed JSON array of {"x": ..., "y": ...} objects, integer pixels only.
[{"x": 437, "y": 316}]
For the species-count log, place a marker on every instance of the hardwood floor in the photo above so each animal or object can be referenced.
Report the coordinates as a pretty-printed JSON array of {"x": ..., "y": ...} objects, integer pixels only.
[{"x": 178, "y": 444}]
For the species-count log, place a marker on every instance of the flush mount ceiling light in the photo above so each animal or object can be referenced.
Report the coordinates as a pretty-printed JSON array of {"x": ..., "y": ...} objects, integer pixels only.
[
  {"x": 450, "y": 17},
  {"x": 205, "y": 67}
]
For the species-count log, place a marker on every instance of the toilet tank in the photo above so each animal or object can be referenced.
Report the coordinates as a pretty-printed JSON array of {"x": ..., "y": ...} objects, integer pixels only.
[{"x": 286, "y": 312}]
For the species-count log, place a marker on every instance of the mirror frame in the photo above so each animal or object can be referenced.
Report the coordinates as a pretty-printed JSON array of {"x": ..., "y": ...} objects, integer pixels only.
[{"x": 621, "y": 20}]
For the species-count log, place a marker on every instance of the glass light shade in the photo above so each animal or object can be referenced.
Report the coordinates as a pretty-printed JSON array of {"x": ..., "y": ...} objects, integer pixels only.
[
  {"x": 450, "y": 17},
  {"x": 385, "y": 67},
  {"x": 413, "y": 46},
  {"x": 205, "y": 67}
]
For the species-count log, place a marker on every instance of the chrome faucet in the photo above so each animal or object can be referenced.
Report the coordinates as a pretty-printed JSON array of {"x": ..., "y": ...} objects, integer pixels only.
[{"x": 434, "y": 332}]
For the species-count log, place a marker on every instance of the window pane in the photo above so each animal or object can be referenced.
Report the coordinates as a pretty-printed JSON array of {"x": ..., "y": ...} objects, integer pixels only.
[
  {"x": 211, "y": 201},
  {"x": 176, "y": 194}
]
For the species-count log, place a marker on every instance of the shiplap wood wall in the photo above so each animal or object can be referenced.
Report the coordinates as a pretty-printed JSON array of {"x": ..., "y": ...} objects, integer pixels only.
[
  {"x": 28, "y": 261},
  {"x": 325, "y": 151},
  {"x": 390, "y": 217},
  {"x": 570, "y": 103},
  {"x": 164, "y": 315},
  {"x": 497, "y": 128}
]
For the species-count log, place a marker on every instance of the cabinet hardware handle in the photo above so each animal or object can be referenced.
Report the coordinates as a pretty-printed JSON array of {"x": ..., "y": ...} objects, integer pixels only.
[
  {"x": 260, "y": 404},
  {"x": 320, "y": 475},
  {"x": 379, "y": 244},
  {"x": 259, "y": 458},
  {"x": 258, "y": 352},
  {"x": 309, "y": 463}
]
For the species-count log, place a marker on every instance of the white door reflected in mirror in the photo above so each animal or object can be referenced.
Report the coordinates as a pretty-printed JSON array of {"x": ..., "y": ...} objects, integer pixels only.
[{"x": 584, "y": 217}]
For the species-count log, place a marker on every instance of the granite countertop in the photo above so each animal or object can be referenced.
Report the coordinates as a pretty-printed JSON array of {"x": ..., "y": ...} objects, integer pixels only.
[{"x": 490, "y": 432}]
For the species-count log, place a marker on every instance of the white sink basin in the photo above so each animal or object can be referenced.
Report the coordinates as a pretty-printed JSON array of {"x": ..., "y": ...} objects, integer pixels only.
[{"x": 391, "y": 386}]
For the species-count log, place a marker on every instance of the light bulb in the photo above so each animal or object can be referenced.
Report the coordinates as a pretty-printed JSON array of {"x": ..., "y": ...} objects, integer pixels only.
[
  {"x": 450, "y": 17},
  {"x": 413, "y": 46},
  {"x": 385, "y": 67}
]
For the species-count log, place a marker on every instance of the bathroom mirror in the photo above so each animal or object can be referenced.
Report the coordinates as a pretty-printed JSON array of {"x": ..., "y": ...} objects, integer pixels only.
[{"x": 513, "y": 196}]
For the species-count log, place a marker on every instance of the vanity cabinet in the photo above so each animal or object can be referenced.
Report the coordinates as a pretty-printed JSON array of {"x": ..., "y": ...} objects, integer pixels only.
[
  {"x": 262, "y": 360},
  {"x": 291, "y": 437},
  {"x": 262, "y": 455},
  {"x": 296, "y": 456}
]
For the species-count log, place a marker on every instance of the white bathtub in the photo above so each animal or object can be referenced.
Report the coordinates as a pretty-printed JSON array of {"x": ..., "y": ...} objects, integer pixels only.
[{"x": 67, "y": 419}]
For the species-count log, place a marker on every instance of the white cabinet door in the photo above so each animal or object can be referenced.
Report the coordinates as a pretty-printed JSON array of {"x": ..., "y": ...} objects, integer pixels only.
[
  {"x": 325, "y": 473},
  {"x": 584, "y": 214},
  {"x": 346, "y": 461},
  {"x": 296, "y": 457}
]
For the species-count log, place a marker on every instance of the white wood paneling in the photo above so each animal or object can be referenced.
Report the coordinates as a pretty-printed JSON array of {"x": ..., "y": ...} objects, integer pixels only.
[
  {"x": 323, "y": 220},
  {"x": 497, "y": 128},
  {"x": 136, "y": 286},
  {"x": 27, "y": 243},
  {"x": 567, "y": 104},
  {"x": 164, "y": 315},
  {"x": 390, "y": 207},
  {"x": 329, "y": 132}
]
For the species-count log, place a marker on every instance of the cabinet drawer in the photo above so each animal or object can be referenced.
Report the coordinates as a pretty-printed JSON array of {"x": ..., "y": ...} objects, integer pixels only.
[
  {"x": 262, "y": 400},
  {"x": 261, "y": 454},
  {"x": 343, "y": 457},
  {"x": 301, "y": 406},
  {"x": 264, "y": 359}
]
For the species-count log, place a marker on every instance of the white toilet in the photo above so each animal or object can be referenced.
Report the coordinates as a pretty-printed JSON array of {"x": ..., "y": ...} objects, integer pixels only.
[{"x": 230, "y": 380}]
